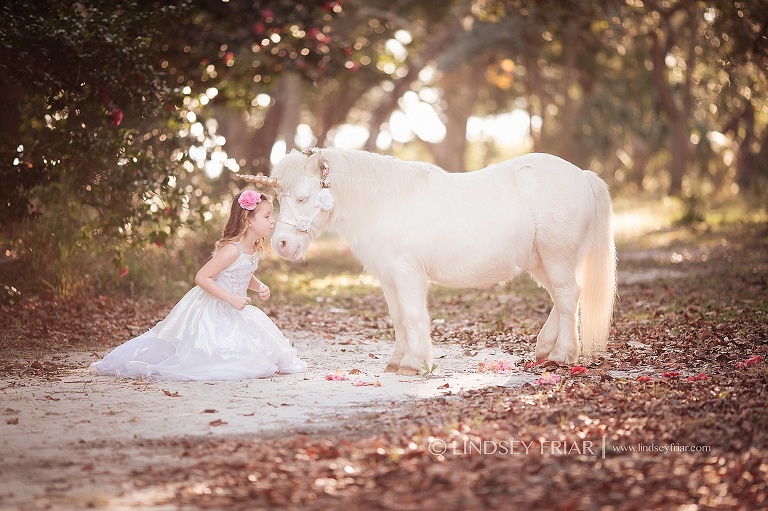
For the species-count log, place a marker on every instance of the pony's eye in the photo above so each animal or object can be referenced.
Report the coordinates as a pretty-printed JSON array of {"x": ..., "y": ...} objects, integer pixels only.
[{"x": 302, "y": 200}]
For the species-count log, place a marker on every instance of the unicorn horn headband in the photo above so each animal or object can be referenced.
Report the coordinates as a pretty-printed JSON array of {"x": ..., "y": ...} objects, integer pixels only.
[{"x": 260, "y": 180}]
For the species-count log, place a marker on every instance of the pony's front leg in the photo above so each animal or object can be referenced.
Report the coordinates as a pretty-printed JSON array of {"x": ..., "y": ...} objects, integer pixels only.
[
  {"x": 390, "y": 295},
  {"x": 412, "y": 297}
]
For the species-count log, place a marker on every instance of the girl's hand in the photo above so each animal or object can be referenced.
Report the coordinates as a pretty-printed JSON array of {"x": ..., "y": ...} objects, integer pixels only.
[
  {"x": 239, "y": 302},
  {"x": 263, "y": 292}
]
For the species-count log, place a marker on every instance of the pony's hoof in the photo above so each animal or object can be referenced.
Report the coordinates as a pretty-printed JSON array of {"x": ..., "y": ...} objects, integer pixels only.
[
  {"x": 391, "y": 368},
  {"x": 561, "y": 358},
  {"x": 407, "y": 371},
  {"x": 543, "y": 353}
]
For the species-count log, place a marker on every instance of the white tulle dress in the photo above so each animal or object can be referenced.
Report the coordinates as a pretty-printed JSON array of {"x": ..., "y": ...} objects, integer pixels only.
[{"x": 204, "y": 338}]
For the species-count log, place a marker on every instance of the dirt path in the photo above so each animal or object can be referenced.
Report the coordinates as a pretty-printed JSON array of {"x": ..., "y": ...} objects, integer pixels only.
[{"x": 75, "y": 438}]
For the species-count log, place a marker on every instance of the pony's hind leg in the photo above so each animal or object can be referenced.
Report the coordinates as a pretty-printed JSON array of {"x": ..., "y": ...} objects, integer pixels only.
[
  {"x": 567, "y": 347},
  {"x": 390, "y": 295},
  {"x": 547, "y": 337},
  {"x": 565, "y": 292},
  {"x": 393, "y": 365}
]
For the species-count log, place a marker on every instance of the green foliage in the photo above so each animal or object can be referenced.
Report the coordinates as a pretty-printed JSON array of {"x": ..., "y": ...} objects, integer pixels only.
[
  {"x": 95, "y": 115},
  {"x": 241, "y": 45},
  {"x": 428, "y": 371},
  {"x": 89, "y": 148}
]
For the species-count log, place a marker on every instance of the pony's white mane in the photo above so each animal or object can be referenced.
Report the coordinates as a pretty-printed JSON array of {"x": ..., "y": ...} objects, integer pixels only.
[{"x": 361, "y": 177}]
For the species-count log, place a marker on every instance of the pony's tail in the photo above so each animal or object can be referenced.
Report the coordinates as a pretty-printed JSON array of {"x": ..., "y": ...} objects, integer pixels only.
[{"x": 598, "y": 291}]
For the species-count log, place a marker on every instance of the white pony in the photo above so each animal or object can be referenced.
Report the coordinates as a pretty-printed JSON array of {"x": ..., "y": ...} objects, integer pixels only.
[{"x": 412, "y": 223}]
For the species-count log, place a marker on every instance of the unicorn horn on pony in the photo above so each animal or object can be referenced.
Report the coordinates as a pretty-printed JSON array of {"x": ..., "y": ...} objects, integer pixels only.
[
  {"x": 260, "y": 180},
  {"x": 412, "y": 224}
]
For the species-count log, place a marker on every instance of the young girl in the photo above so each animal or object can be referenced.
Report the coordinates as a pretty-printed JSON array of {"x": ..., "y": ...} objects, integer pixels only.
[{"x": 213, "y": 333}]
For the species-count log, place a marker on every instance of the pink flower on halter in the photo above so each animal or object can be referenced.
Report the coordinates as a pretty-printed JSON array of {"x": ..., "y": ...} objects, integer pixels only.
[{"x": 249, "y": 199}]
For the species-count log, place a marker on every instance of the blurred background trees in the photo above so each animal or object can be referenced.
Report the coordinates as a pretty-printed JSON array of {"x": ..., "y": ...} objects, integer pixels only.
[{"x": 123, "y": 122}]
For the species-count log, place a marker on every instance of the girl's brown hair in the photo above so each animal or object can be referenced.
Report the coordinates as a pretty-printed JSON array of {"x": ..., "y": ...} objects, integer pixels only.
[{"x": 238, "y": 223}]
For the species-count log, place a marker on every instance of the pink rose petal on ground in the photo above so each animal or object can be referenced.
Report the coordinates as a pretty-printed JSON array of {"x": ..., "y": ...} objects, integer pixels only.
[
  {"x": 698, "y": 377},
  {"x": 578, "y": 370},
  {"x": 547, "y": 379},
  {"x": 671, "y": 374},
  {"x": 336, "y": 376},
  {"x": 529, "y": 365},
  {"x": 749, "y": 362},
  {"x": 499, "y": 366},
  {"x": 644, "y": 378}
]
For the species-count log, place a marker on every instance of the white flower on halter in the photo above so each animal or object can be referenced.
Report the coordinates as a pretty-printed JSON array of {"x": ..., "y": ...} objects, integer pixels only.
[
  {"x": 304, "y": 223},
  {"x": 324, "y": 200}
]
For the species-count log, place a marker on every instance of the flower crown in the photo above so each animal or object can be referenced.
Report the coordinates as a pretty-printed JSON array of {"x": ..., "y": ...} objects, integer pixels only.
[{"x": 249, "y": 199}]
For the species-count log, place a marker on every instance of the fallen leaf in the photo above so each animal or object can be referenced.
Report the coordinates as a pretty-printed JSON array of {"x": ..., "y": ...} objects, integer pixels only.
[
  {"x": 354, "y": 371},
  {"x": 209, "y": 410},
  {"x": 13, "y": 421},
  {"x": 217, "y": 422},
  {"x": 376, "y": 383},
  {"x": 171, "y": 394}
]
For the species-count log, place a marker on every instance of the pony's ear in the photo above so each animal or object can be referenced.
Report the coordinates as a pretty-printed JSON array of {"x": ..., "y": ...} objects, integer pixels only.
[{"x": 313, "y": 163}]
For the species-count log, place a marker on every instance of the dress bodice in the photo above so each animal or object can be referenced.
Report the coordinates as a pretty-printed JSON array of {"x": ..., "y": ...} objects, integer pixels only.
[{"x": 236, "y": 277}]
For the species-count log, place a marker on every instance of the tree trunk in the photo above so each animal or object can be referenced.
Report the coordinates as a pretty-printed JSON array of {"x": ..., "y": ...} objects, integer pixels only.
[
  {"x": 567, "y": 145},
  {"x": 331, "y": 110},
  {"x": 679, "y": 158},
  {"x": 10, "y": 118},
  {"x": 288, "y": 96},
  {"x": 239, "y": 136},
  {"x": 678, "y": 111},
  {"x": 460, "y": 93},
  {"x": 745, "y": 159},
  {"x": 535, "y": 101}
]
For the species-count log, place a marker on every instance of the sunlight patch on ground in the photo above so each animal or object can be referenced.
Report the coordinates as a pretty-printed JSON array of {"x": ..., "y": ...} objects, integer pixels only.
[{"x": 344, "y": 281}]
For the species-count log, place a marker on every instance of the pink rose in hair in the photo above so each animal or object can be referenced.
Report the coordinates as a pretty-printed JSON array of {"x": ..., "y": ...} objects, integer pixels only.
[{"x": 249, "y": 199}]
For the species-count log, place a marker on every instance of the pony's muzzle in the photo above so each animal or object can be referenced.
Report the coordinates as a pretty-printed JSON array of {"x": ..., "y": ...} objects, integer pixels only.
[{"x": 287, "y": 248}]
